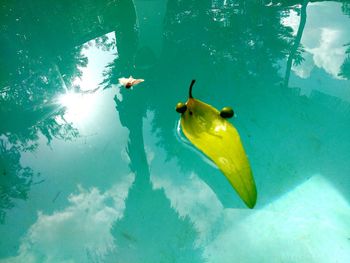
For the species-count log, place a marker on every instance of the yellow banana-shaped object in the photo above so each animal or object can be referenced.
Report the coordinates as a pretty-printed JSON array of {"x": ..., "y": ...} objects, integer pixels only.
[{"x": 217, "y": 138}]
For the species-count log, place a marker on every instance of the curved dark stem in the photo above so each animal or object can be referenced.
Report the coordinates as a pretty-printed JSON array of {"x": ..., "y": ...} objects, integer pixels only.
[{"x": 190, "y": 90}]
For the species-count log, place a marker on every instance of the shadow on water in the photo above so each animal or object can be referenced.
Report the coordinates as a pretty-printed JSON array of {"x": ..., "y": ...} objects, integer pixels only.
[{"x": 150, "y": 230}]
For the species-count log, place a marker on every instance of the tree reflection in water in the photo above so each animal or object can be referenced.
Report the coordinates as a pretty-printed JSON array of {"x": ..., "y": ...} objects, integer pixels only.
[
  {"x": 241, "y": 40},
  {"x": 15, "y": 180},
  {"x": 345, "y": 68},
  {"x": 150, "y": 230},
  {"x": 41, "y": 56}
]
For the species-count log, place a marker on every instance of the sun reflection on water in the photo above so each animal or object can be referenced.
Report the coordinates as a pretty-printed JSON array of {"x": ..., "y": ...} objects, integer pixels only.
[
  {"x": 81, "y": 98},
  {"x": 78, "y": 106}
]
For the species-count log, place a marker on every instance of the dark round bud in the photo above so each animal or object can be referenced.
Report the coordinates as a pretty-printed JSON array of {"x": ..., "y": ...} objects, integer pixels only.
[
  {"x": 181, "y": 107},
  {"x": 226, "y": 112}
]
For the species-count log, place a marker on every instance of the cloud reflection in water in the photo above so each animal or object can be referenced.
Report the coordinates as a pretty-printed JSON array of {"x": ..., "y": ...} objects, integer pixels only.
[{"x": 80, "y": 232}]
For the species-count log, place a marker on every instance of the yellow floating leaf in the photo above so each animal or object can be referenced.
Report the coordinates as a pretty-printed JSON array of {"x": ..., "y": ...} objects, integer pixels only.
[{"x": 218, "y": 139}]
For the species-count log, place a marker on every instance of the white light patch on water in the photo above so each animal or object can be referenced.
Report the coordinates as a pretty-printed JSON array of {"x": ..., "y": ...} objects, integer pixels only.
[
  {"x": 190, "y": 197},
  {"x": 92, "y": 74},
  {"x": 292, "y": 21},
  {"x": 81, "y": 104},
  {"x": 187, "y": 193},
  {"x": 330, "y": 53},
  {"x": 324, "y": 37},
  {"x": 309, "y": 224},
  {"x": 79, "y": 107}
]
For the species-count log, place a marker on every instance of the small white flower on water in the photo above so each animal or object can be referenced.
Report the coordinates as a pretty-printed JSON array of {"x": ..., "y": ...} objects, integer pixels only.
[{"x": 129, "y": 82}]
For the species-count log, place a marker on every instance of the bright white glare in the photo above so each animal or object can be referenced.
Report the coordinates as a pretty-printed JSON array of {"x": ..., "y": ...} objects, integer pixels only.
[
  {"x": 92, "y": 74},
  {"x": 81, "y": 106},
  {"x": 292, "y": 21},
  {"x": 78, "y": 106}
]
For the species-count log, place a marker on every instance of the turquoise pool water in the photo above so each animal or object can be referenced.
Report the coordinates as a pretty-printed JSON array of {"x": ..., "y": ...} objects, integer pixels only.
[{"x": 93, "y": 172}]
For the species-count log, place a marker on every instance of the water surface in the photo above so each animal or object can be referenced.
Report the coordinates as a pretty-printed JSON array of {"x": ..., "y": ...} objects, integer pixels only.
[{"x": 93, "y": 172}]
